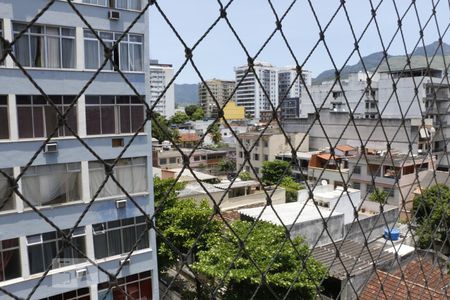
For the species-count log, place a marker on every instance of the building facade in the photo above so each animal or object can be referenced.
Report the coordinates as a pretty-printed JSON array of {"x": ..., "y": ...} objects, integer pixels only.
[
  {"x": 65, "y": 179},
  {"x": 256, "y": 97},
  {"x": 290, "y": 90},
  {"x": 160, "y": 77},
  {"x": 267, "y": 147},
  {"x": 222, "y": 91}
]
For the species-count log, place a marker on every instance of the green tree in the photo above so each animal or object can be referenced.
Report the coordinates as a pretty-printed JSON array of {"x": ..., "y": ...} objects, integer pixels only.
[
  {"x": 262, "y": 248},
  {"x": 160, "y": 128},
  {"x": 198, "y": 114},
  {"x": 244, "y": 175},
  {"x": 227, "y": 165},
  {"x": 292, "y": 187},
  {"x": 190, "y": 109},
  {"x": 216, "y": 136},
  {"x": 432, "y": 212},
  {"x": 274, "y": 171},
  {"x": 379, "y": 196},
  {"x": 179, "y": 118}
]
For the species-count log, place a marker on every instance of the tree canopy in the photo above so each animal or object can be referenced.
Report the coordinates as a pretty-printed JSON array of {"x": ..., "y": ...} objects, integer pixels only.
[
  {"x": 179, "y": 118},
  {"x": 292, "y": 187},
  {"x": 379, "y": 196},
  {"x": 281, "y": 261},
  {"x": 274, "y": 171},
  {"x": 227, "y": 165},
  {"x": 194, "y": 112},
  {"x": 244, "y": 175},
  {"x": 432, "y": 212}
]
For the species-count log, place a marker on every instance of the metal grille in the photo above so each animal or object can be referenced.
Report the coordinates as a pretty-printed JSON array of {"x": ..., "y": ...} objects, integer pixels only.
[{"x": 315, "y": 268}]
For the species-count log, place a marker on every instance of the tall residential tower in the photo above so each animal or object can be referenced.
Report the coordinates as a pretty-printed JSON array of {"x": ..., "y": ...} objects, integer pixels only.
[{"x": 61, "y": 54}]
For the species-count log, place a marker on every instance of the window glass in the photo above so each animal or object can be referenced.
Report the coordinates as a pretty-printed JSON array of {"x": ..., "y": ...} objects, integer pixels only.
[
  {"x": 45, "y": 46},
  {"x": 44, "y": 251},
  {"x": 6, "y": 196},
  {"x": 4, "y": 119},
  {"x": 113, "y": 115},
  {"x": 9, "y": 259},
  {"x": 128, "y": 56},
  {"x": 120, "y": 236},
  {"x": 52, "y": 184},
  {"x": 131, "y": 173},
  {"x": 40, "y": 119}
]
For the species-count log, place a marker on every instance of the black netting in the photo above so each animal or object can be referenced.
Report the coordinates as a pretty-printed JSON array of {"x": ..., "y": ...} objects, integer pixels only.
[{"x": 298, "y": 207}]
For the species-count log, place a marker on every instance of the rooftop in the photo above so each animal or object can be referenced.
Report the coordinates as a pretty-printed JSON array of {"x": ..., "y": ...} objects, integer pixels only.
[
  {"x": 288, "y": 213},
  {"x": 187, "y": 175},
  {"x": 424, "y": 278}
]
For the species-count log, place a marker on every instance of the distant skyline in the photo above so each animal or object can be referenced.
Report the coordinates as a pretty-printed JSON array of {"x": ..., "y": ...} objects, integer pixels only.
[{"x": 220, "y": 52}]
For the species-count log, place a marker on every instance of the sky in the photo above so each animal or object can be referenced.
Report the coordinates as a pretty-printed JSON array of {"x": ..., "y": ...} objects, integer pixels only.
[{"x": 218, "y": 54}]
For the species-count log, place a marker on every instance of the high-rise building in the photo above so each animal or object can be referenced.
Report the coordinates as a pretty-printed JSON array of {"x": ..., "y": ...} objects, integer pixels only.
[
  {"x": 64, "y": 182},
  {"x": 160, "y": 77},
  {"x": 290, "y": 90},
  {"x": 220, "y": 89},
  {"x": 250, "y": 93}
]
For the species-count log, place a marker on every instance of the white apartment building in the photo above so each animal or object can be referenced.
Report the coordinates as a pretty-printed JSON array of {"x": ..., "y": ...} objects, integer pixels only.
[
  {"x": 65, "y": 179},
  {"x": 291, "y": 90},
  {"x": 160, "y": 77},
  {"x": 250, "y": 94},
  {"x": 220, "y": 89},
  {"x": 331, "y": 95}
]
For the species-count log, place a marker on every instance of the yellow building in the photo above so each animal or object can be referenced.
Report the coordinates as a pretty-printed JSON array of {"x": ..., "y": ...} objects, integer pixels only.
[{"x": 231, "y": 111}]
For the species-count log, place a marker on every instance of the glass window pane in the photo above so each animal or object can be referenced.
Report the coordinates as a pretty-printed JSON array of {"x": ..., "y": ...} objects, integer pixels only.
[
  {"x": 35, "y": 258},
  {"x": 137, "y": 117},
  {"x": 125, "y": 122},
  {"x": 91, "y": 49},
  {"x": 108, "y": 120},
  {"x": 37, "y": 51},
  {"x": 38, "y": 122},
  {"x": 68, "y": 53},
  {"x": 26, "y": 124},
  {"x": 4, "y": 126},
  {"x": 21, "y": 50},
  {"x": 93, "y": 120}
]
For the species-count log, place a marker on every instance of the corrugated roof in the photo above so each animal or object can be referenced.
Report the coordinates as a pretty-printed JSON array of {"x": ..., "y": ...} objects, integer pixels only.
[
  {"x": 189, "y": 137},
  {"x": 423, "y": 278},
  {"x": 345, "y": 148},
  {"x": 353, "y": 257}
]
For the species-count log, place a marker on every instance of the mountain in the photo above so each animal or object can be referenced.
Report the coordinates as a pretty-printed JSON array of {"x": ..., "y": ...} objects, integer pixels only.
[
  {"x": 371, "y": 61},
  {"x": 186, "y": 94}
]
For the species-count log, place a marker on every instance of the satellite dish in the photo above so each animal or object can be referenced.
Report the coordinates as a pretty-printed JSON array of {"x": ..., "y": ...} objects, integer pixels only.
[{"x": 324, "y": 182}]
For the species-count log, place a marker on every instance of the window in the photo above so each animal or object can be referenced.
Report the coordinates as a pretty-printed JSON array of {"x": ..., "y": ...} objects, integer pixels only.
[
  {"x": 43, "y": 250},
  {"x": 197, "y": 158},
  {"x": 39, "y": 119},
  {"x": 163, "y": 161},
  {"x": 9, "y": 259},
  {"x": 81, "y": 294},
  {"x": 117, "y": 237},
  {"x": 266, "y": 157},
  {"x": 241, "y": 154},
  {"x": 265, "y": 143},
  {"x": 52, "y": 184},
  {"x": 128, "y": 55},
  {"x": 357, "y": 170},
  {"x": 356, "y": 185},
  {"x": 126, "y": 4},
  {"x": 256, "y": 156},
  {"x": 45, "y": 46},
  {"x": 6, "y": 199},
  {"x": 96, "y": 2},
  {"x": 1, "y": 44},
  {"x": 138, "y": 286},
  {"x": 113, "y": 114},
  {"x": 173, "y": 160},
  {"x": 4, "y": 126},
  {"x": 131, "y": 173}
]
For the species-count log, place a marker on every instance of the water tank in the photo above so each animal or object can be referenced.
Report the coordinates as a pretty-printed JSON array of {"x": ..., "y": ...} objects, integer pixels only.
[{"x": 393, "y": 235}]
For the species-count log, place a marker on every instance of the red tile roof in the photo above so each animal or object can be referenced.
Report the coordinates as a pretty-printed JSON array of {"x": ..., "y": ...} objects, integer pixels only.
[
  {"x": 423, "y": 279},
  {"x": 189, "y": 137}
]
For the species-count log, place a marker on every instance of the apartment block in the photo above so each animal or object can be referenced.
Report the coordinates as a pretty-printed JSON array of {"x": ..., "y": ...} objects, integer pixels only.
[
  {"x": 160, "y": 77},
  {"x": 267, "y": 147},
  {"x": 291, "y": 90},
  {"x": 256, "y": 97},
  {"x": 221, "y": 90},
  {"x": 65, "y": 179}
]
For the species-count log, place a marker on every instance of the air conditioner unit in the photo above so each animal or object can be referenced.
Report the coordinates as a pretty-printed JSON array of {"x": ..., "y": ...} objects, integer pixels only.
[
  {"x": 114, "y": 15},
  {"x": 82, "y": 273},
  {"x": 121, "y": 203},
  {"x": 51, "y": 148}
]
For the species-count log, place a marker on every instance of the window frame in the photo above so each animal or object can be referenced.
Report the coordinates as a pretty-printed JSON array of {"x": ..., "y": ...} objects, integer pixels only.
[
  {"x": 45, "y": 35},
  {"x": 117, "y": 107},
  {"x": 55, "y": 239},
  {"x": 101, "y": 231},
  {"x": 16, "y": 249},
  {"x": 88, "y": 35},
  {"x": 4, "y": 116}
]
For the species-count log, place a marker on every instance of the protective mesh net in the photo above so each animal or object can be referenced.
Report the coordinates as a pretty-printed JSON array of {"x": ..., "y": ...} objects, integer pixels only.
[{"x": 390, "y": 144}]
